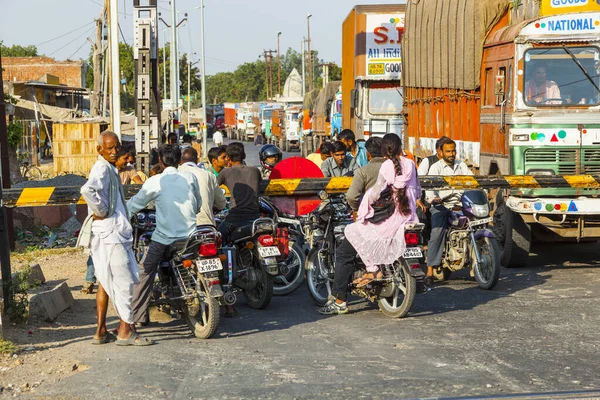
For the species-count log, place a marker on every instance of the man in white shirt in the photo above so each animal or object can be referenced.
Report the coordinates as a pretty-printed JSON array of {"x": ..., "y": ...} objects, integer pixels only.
[
  {"x": 176, "y": 196},
  {"x": 211, "y": 193},
  {"x": 108, "y": 234},
  {"x": 218, "y": 138},
  {"x": 442, "y": 202}
]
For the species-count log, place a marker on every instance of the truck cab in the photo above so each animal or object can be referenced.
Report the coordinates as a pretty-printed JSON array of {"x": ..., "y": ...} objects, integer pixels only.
[
  {"x": 378, "y": 108},
  {"x": 292, "y": 128}
]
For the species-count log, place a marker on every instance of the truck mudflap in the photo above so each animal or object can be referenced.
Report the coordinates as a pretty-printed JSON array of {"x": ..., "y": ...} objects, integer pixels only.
[{"x": 555, "y": 206}]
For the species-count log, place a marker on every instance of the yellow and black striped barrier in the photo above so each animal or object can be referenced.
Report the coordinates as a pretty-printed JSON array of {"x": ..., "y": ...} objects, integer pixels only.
[{"x": 55, "y": 196}]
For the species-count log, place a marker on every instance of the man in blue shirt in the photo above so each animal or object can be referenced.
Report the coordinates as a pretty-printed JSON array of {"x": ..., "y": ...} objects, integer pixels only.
[
  {"x": 177, "y": 199},
  {"x": 356, "y": 150}
]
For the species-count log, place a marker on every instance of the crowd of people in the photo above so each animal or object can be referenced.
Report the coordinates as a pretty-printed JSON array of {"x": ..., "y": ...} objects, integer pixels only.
[{"x": 185, "y": 194}]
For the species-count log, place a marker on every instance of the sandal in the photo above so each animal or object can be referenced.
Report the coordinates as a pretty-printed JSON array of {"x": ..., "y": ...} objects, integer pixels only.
[
  {"x": 134, "y": 340},
  {"x": 367, "y": 278},
  {"x": 109, "y": 337},
  {"x": 88, "y": 288}
]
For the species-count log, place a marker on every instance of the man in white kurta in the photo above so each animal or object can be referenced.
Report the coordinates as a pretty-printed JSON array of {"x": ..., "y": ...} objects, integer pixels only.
[{"x": 110, "y": 243}]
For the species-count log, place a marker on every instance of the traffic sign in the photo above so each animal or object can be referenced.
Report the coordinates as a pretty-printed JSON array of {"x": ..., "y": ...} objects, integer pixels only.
[{"x": 296, "y": 168}]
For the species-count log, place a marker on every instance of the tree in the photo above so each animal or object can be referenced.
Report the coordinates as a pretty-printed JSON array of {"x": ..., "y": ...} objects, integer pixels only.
[{"x": 18, "y": 51}]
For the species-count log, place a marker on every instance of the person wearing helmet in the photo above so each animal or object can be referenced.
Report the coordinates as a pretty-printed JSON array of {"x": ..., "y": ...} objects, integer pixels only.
[{"x": 270, "y": 155}]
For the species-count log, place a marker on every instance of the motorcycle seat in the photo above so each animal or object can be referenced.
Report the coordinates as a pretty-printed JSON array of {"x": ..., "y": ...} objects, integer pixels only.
[{"x": 241, "y": 233}]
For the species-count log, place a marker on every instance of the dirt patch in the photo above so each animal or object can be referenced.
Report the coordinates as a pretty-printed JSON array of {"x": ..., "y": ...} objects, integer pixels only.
[{"x": 51, "y": 351}]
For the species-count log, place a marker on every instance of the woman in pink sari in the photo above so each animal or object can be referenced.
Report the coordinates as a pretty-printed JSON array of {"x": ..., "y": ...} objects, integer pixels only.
[{"x": 382, "y": 243}]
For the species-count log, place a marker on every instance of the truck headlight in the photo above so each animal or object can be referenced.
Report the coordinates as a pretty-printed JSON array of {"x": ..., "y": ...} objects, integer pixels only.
[
  {"x": 540, "y": 172},
  {"x": 520, "y": 138}
]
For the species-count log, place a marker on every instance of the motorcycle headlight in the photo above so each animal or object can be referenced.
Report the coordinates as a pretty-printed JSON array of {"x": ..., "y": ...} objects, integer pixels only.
[
  {"x": 323, "y": 195},
  {"x": 480, "y": 210}
]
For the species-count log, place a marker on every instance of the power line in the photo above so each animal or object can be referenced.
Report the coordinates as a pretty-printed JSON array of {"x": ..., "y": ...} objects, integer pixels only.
[
  {"x": 79, "y": 48},
  {"x": 65, "y": 34},
  {"x": 72, "y": 41}
]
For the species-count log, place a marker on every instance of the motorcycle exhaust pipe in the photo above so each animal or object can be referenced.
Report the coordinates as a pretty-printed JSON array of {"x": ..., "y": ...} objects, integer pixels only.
[{"x": 229, "y": 298}]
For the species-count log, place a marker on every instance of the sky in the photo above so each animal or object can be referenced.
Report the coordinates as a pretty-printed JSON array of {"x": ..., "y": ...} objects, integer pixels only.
[{"x": 237, "y": 31}]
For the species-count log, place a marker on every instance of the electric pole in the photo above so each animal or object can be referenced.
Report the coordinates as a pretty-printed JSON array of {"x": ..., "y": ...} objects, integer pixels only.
[
  {"x": 266, "y": 74},
  {"x": 310, "y": 73},
  {"x": 174, "y": 65},
  {"x": 97, "y": 66},
  {"x": 303, "y": 68},
  {"x": 113, "y": 40},
  {"x": 278, "y": 65}
]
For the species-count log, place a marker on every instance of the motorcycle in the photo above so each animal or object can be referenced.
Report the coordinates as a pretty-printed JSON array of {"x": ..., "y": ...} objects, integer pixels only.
[
  {"x": 187, "y": 280},
  {"x": 394, "y": 293},
  {"x": 291, "y": 269},
  {"x": 251, "y": 266},
  {"x": 470, "y": 243}
]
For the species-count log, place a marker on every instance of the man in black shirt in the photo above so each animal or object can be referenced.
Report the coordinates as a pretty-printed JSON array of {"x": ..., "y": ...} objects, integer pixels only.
[{"x": 243, "y": 183}]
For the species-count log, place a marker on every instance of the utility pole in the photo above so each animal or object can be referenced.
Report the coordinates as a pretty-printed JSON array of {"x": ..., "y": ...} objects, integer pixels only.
[
  {"x": 105, "y": 63},
  {"x": 174, "y": 65},
  {"x": 113, "y": 40},
  {"x": 303, "y": 68},
  {"x": 4, "y": 184},
  {"x": 310, "y": 73},
  {"x": 271, "y": 73},
  {"x": 203, "y": 78},
  {"x": 278, "y": 65},
  {"x": 266, "y": 74},
  {"x": 97, "y": 66}
]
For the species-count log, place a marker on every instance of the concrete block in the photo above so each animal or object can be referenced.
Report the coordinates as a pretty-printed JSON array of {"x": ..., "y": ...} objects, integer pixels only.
[
  {"x": 48, "y": 304},
  {"x": 36, "y": 275}
]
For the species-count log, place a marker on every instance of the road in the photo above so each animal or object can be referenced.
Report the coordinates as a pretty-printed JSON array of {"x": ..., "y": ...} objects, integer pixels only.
[{"x": 537, "y": 331}]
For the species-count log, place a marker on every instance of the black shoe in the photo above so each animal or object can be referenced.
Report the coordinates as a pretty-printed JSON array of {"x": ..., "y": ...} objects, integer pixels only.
[
  {"x": 428, "y": 281},
  {"x": 421, "y": 287}
]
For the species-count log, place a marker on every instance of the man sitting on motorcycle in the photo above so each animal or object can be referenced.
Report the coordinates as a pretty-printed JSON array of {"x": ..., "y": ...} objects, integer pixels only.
[
  {"x": 340, "y": 163},
  {"x": 269, "y": 155},
  {"x": 243, "y": 183},
  {"x": 176, "y": 196},
  {"x": 442, "y": 202}
]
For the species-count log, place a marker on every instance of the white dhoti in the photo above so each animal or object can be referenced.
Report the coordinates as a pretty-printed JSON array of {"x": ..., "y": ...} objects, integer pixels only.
[{"x": 117, "y": 272}]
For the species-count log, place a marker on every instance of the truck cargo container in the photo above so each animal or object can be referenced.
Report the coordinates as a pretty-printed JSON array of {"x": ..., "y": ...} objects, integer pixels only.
[
  {"x": 372, "y": 70},
  {"x": 477, "y": 85}
]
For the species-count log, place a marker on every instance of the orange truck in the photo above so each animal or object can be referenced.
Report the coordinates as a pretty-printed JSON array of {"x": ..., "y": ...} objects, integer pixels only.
[
  {"x": 372, "y": 70},
  {"x": 518, "y": 88},
  {"x": 230, "y": 116}
]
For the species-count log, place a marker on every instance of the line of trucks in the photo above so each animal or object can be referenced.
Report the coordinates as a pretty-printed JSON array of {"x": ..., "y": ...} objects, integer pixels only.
[{"x": 515, "y": 83}]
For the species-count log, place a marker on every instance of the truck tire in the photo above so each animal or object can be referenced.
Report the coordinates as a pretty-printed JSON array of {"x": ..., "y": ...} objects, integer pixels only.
[{"x": 514, "y": 237}]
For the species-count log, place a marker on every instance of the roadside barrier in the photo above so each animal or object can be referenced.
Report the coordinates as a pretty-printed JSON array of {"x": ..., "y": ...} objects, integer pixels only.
[{"x": 56, "y": 196}]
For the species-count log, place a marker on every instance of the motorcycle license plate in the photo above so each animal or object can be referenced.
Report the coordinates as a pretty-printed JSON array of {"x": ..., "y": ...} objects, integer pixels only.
[
  {"x": 412, "y": 252},
  {"x": 481, "y": 221},
  {"x": 268, "y": 252},
  {"x": 212, "y": 264}
]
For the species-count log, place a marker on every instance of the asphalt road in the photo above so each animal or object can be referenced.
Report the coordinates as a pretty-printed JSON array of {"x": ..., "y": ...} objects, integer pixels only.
[{"x": 537, "y": 331}]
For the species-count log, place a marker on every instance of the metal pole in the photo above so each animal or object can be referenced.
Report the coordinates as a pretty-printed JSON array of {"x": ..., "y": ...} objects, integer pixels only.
[
  {"x": 204, "y": 134},
  {"x": 174, "y": 63},
  {"x": 310, "y": 75},
  {"x": 165, "y": 89},
  {"x": 189, "y": 96},
  {"x": 303, "y": 69},
  {"x": 105, "y": 62},
  {"x": 4, "y": 182},
  {"x": 113, "y": 38},
  {"x": 278, "y": 65}
]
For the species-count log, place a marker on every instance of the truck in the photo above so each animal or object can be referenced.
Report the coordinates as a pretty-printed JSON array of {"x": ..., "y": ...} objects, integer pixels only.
[
  {"x": 230, "y": 117},
  {"x": 322, "y": 113},
  {"x": 372, "y": 70},
  {"x": 517, "y": 88},
  {"x": 244, "y": 121},
  {"x": 291, "y": 128}
]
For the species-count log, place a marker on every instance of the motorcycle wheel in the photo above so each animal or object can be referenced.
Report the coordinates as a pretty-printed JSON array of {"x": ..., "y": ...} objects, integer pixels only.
[
  {"x": 488, "y": 272},
  {"x": 403, "y": 297},
  {"x": 293, "y": 275},
  {"x": 260, "y": 296},
  {"x": 204, "y": 324},
  {"x": 319, "y": 286}
]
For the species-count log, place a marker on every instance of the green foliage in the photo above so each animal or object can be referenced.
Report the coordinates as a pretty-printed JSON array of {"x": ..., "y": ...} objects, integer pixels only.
[
  {"x": 18, "y": 307},
  {"x": 18, "y": 51},
  {"x": 7, "y": 347},
  {"x": 15, "y": 134}
]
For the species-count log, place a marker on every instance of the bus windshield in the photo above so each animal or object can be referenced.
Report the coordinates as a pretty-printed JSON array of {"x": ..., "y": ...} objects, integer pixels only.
[{"x": 555, "y": 76}]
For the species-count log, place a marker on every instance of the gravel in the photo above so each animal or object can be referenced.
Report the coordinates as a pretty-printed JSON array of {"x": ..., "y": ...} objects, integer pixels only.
[{"x": 63, "y": 180}]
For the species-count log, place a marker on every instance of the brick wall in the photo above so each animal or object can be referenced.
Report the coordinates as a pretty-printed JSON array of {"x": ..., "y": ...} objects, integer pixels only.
[{"x": 70, "y": 73}]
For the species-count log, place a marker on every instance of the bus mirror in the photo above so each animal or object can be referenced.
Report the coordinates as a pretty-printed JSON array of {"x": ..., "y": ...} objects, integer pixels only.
[
  {"x": 499, "y": 86},
  {"x": 354, "y": 98}
]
